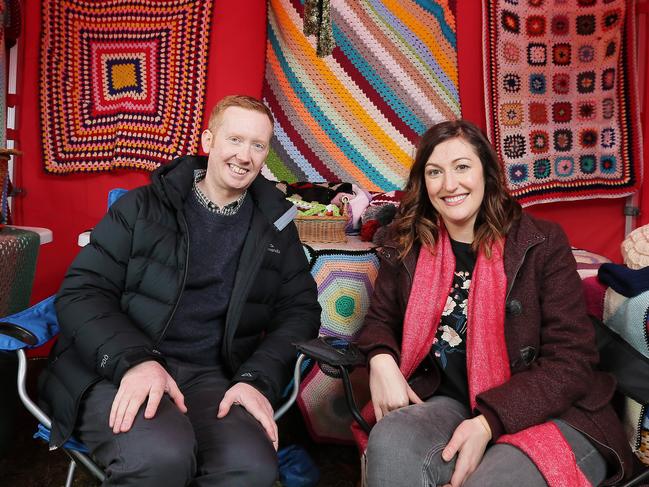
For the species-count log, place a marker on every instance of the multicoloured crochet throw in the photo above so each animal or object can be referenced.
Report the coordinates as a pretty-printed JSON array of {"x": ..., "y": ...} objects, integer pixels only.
[
  {"x": 122, "y": 83},
  {"x": 355, "y": 115},
  {"x": 562, "y": 105},
  {"x": 345, "y": 280}
]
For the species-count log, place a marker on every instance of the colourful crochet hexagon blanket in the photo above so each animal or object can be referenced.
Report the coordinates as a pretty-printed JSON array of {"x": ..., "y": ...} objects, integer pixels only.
[{"x": 122, "y": 83}]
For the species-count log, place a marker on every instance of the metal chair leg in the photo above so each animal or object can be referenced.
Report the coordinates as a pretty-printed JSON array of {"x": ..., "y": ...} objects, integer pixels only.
[{"x": 70, "y": 477}]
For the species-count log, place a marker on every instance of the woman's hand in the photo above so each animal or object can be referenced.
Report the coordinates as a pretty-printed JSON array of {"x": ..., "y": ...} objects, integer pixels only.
[
  {"x": 469, "y": 441},
  {"x": 388, "y": 386}
]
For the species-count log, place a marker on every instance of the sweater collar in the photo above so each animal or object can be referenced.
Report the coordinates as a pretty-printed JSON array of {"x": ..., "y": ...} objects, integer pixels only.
[{"x": 173, "y": 183}]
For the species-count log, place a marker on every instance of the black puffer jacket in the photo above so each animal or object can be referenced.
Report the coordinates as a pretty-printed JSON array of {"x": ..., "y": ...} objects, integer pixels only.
[{"x": 121, "y": 291}]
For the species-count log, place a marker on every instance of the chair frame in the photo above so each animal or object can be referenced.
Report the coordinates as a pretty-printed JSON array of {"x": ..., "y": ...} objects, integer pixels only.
[{"x": 78, "y": 458}]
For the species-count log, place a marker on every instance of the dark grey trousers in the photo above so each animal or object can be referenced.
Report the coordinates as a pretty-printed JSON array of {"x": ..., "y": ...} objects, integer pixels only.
[
  {"x": 175, "y": 449},
  {"x": 405, "y": 450}
]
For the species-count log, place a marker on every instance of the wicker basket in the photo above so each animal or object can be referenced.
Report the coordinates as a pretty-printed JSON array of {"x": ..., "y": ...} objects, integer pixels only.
[{"x": 322, "y": 229}]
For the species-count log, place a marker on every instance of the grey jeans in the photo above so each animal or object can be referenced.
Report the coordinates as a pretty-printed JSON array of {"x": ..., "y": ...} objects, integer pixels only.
[
  {"x": 174, "y": 449},
  {"x": 405, "y": 449}
]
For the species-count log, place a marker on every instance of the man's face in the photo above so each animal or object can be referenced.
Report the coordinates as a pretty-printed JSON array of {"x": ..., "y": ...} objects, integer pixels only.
[{"x": 237, "y": 147}]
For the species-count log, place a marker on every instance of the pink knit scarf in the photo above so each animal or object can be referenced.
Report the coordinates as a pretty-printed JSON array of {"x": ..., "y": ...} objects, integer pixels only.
[{"x": 487, "y": 359}]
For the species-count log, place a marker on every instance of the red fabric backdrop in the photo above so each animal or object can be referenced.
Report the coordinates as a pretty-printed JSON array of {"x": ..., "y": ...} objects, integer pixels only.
[{"x": 71, "y": 204}]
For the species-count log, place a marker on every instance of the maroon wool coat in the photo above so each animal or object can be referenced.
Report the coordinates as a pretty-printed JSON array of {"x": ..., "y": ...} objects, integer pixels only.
[{"x": 550, "y": 342}]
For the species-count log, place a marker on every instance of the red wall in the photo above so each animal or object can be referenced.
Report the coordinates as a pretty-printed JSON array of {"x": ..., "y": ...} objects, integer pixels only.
[{"x": 71, "y": 204}]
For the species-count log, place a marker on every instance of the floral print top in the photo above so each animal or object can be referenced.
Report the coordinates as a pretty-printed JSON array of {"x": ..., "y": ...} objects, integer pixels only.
[{"x": 449, "y": 345}]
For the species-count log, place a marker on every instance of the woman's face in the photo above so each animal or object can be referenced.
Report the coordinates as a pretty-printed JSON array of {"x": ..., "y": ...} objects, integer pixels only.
[{"x": 455, "y": 184}]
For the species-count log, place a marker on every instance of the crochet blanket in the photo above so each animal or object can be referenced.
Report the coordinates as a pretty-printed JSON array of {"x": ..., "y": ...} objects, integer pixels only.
[
  {"x": 122, "y": 83},
  {"x": 355, "y": 115},
  {"x": 345, "y": 280},
  {"x": 561, "y": 94}
]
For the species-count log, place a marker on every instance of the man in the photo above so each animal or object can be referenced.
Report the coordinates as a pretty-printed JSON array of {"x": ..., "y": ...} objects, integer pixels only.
[{"x": 177, "y": 320}]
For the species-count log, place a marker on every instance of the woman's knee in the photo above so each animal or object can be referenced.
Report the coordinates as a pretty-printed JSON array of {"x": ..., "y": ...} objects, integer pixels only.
[{"x": 429, "y": 423}]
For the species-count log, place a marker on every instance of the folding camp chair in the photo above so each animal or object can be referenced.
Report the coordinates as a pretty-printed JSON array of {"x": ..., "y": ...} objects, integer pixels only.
[
  {"x": 337, "y": 358},
  {"x": 38, "y": 324},
  {"x": 33, "y": 327}
]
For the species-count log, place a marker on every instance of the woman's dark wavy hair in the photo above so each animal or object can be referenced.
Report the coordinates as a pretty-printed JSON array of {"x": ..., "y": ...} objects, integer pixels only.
[{"x": 418, "y": 221}]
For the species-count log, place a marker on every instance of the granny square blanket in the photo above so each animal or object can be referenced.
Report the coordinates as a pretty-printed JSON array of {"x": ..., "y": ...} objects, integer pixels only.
[
  {"x": 122, "y": 84},
  {"x": 562, "y": 105}
]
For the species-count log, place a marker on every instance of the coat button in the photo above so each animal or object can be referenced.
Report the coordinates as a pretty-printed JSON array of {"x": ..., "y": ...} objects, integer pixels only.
[{"x": 514, "y": 307}]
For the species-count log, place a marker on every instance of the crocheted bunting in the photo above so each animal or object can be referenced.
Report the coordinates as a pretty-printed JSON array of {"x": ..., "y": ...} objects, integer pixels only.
[
  {"x": 562, "y": 99},
  {"x": 355, "y": 115},
  {"x": 345, "y": 281},
  {"x": 122, "y": 83}
]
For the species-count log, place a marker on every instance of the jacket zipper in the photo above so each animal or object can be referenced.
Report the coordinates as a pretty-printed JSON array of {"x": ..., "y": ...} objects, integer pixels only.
[
  {"x": 645, "y": 331},
  {"x": 638, "y": 442},
  {"x": 255, "y": 265},
  {"x": 410, "y": 278},
  {"x": 182, "y": 288}
]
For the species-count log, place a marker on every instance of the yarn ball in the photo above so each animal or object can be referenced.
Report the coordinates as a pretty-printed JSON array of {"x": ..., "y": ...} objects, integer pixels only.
[
  {"x": 380, "y": 236},
  {"x": 369, "y": 213},
  {"x": 368, "y": 229},
  {"x": 386, "y": 214},
  {"x": 635, "y": 248}
]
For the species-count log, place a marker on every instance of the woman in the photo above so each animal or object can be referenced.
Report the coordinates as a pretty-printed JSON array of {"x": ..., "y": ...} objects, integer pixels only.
[{"x": 480, "y": 351}]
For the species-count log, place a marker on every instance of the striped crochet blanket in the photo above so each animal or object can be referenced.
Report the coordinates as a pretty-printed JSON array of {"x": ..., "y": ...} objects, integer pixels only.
[{"x": 355, "y": 115}]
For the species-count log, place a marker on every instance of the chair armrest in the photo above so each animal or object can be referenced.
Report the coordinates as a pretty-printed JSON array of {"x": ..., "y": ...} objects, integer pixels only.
[
  {"x": 343, "y": 356},
  {"x": 19, "y": 333},
  {"x": 332, "y": 351}
]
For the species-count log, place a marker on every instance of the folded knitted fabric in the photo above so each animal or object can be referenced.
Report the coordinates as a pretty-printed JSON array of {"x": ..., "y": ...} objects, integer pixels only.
[
  {"x": 627, "y": 282},
  {"x": 635, "y": 248}
]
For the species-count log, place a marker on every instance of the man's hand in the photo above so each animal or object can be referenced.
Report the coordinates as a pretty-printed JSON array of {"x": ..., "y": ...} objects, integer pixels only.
[
  {"x": 388, "y": 386},
  {"x": 469, "y": 441},
  {"x": 255, "y": 403},
  {"x": 148, "y": 379}
]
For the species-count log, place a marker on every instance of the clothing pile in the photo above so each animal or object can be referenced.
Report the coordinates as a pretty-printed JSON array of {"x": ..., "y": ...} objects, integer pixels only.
[
  {"x": 368, "y": 212},
  {"x": 624, "y": 341}
]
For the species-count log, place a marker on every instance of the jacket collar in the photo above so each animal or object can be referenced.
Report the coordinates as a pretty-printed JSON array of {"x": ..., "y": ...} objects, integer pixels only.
[
  {"x": 523, "y": 235},
  {"x": 173, "y": 183}
]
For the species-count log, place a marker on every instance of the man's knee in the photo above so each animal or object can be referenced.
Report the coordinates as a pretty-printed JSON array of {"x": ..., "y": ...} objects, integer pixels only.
[
  {"x": 168, "y": 460},
  {"x": 159, "y": 453},
  {"x": 262, "y": 472},
  {"x": 242, "y": 455}
]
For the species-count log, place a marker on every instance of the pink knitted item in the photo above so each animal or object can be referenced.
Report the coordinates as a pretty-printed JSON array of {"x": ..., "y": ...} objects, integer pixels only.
[{"x": 487, "y": 360}]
